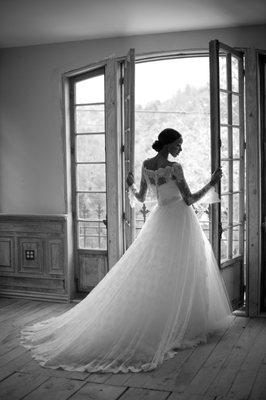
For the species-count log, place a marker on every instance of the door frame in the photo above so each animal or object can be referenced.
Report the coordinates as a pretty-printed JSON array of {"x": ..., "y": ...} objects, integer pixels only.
[{"x": 253, "y": 184}]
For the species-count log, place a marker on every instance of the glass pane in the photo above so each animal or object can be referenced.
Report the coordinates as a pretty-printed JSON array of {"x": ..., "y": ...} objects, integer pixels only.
[
  {"x": 236, "y": 153},
  {"x": 235, "y": 79},
  {"x": 225, "y": 177},
  {"x": 90, "y": 90},
  {"x": 236, "y": 208},
  {"x": 223, "y": 108},
  {"x": 91, "y": 206},
  {"x": 224, "y": 245},
  {"x": 90, "y": 148},
  {"x": 235, "y": 109},
  {"x": 91, "y": 177},
  {"x": 223, "y": 72},
  {"x": 92, "y": 235},
  {"x": 224, "y": 210},
  {"x": 90, "y": 119},
  {"x": 224, "y": 140},
  {"x": 236, "y": 175},
  {"x": 236, "y": 241}
]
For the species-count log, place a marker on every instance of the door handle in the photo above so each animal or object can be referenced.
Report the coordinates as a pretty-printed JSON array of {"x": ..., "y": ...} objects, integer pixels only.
[{"x": 105, "y": 221}]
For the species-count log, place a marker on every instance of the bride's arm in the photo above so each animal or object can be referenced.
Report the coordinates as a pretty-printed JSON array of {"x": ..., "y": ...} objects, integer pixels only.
[
  {"x": 189, "y": 197},
  {"x": 141, "y": 194}
]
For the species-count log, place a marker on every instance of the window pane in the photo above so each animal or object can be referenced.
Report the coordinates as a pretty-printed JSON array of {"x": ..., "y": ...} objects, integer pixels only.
[
  {"x": 90, "y": 119},
  {"x": 90, "y": 90},
  {"x": 235, "y": 109},
  {"x": 236, "y": 208},
  {"x": 91, "y": 177},
  {"x": 224, "y": 140},
  {"x": 236, "y": 153},
  {"x": 224, "y": 210},
  {"x": 223, "y": 72},
  {"x": 92, "y": 235},
  {"x": 224, "y": 245},
  {"x": 236, "y": 175},
  {"x": 223, "y": 108},
  {"x": 90, "y": 148},
  {"x": 225, "y": 177},
  {"x": 92, "y": 206},
  {"x": 235, "y": 81},
  {"x": 236, "y": 241}
]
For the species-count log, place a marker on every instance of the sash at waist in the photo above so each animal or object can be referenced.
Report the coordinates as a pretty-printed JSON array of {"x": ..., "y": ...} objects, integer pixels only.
[{"x": 164, "y": 202}]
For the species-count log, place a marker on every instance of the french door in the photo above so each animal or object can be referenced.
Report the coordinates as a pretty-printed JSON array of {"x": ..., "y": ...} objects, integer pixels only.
[
  {"x": 128, "y": 139},
  {"x": 262, "y": 63},
  {"x": 227, "y": 219},
  {"x": 228, "y": 151},
  {"x": 96, "y": 173}
]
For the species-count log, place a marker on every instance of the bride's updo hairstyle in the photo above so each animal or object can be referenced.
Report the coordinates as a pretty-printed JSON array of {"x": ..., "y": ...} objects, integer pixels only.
[{"x": 167, "y": 136}]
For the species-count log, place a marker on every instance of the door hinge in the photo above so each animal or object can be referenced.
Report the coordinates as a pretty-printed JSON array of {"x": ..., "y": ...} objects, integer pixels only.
[
  {"x": 244, "y": 217},
  {"x": 122, "y": 148},
  {"x": 122, "y": 80},
  {"x": 125, "y": 219},
  {"x": 245, "y": 145}
]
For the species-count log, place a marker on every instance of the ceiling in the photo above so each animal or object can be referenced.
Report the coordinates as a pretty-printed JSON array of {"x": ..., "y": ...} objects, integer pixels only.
[{"x": 30, "y": 22}]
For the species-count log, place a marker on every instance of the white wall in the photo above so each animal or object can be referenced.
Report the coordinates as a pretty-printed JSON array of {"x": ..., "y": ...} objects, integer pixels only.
[{"x": 31, "y": 113}]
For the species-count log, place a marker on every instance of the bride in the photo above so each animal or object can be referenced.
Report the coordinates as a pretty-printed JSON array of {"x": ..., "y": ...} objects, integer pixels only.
[{"x": 165, "y": 293}]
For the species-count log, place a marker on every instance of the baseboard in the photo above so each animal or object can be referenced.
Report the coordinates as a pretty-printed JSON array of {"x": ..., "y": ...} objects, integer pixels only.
[{"x": 53, "y": 297}]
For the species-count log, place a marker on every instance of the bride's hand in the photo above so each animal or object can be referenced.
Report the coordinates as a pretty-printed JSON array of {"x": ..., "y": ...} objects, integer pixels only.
[
  {"x": 130, "y": 179},
  {"x": 216, "y": 176}
]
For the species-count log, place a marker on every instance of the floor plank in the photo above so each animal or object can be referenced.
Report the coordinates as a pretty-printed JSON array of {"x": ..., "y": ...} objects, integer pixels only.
[
  {"x": 55, "y": 389},
  {"x": 96, "y": 391},
  {"x": 258, "y": 391},
  {"x": 18, "y": 385},
  {"x": 246, "y": 375},
  {"x": 144, "y": 394}
]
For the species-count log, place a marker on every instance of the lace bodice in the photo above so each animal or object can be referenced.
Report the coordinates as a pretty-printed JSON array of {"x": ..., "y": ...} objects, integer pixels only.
[{"x": 162, "y": 182}]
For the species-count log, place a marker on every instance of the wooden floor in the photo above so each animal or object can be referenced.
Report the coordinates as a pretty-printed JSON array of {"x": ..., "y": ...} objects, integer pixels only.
[{"x": 231, "y": 366}]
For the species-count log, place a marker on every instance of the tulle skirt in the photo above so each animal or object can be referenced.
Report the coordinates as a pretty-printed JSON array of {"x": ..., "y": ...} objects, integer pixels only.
[{"x": 165, "y": 293}]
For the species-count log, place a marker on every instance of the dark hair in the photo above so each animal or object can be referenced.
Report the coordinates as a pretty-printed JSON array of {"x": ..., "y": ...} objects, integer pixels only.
[{"x": 167, "y": 136}]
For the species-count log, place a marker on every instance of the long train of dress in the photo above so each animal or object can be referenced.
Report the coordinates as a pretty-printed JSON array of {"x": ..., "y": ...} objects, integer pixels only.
[{"x": 165, "y": 293}]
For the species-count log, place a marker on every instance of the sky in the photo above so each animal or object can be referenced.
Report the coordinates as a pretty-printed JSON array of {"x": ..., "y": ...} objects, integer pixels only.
[{"x": 161, "y": 79}]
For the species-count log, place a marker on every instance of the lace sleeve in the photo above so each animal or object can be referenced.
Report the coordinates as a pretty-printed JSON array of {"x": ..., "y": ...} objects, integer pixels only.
[
  {"x": 205, "y": 196},
  {"x": 135, "y": 197},
  {"x": 210, "y": 197},
  {"x": 131, "y": 195}
]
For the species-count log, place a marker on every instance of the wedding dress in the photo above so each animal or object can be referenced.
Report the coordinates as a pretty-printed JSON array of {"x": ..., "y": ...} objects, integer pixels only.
[{"x": 165, "y": 293}]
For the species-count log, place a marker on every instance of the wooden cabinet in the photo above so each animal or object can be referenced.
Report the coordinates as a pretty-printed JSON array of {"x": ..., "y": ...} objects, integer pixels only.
[{"x": 34, "y": 256}]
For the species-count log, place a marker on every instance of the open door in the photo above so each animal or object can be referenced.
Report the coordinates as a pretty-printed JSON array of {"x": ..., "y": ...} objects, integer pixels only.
[
  {"x": 228, "y": 151},
  {"x": 128, "y": 140}
]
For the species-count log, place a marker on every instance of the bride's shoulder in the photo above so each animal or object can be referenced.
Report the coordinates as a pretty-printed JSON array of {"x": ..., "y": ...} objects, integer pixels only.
[
  {"x": 149, "y": 162},
  {"x": 176, "y": 165},
  {"x": 177, "y": 169}
]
